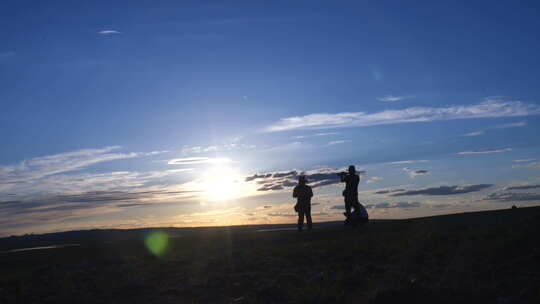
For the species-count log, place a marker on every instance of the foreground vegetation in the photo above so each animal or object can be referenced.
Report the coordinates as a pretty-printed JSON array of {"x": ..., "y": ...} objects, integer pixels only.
[{"x": 482, "y": 257}]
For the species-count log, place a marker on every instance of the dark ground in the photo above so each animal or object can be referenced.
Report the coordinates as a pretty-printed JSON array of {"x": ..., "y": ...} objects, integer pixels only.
[{"x": 482, "y": 257}]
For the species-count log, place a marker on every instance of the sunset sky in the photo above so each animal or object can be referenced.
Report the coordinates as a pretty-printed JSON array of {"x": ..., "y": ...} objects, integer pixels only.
[{"x": 120, "y": 114}]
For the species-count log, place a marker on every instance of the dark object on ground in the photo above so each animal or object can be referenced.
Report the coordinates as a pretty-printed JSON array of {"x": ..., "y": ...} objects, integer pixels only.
[{"x": 355, "y": 219}]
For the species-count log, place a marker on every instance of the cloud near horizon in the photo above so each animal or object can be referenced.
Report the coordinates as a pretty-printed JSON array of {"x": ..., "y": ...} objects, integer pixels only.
[
  {"x": 403, "y": 205},
  {"x": 513, "y": 196},
  {"x": 490, "y": 108},
  {"x": 55, "y": 208},
  {"x": 522, "y": 187},
  {"x": 435, "y": 191},
  {"x": 287, "y": 179}
]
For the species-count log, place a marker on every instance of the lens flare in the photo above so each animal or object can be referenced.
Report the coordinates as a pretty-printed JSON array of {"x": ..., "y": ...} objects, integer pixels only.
[{"x": 157, "y": 243}]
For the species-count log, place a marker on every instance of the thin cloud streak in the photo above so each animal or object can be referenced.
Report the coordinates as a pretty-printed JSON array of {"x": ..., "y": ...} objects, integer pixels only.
[
  {"x": 522, "y": 187},
  {"x": 42, "y": 166},
  {"x": 486, "y": 109},
  {"x": 337, "y": 142},
  {"x": 511, "y": 125},
  {"x": 523, "y": 160},
  {"x": 498, "y": 127},
  {"x": 403, "y": 205},
  {"x": 416, "y": 173},
  {"x": 513, "y": 196},
  {"x": 444, "y": 190},
  {"x": 528, "y": 165},
  {"x": 314, "y": 135},
  {"x": 477, "y": 133},
  {"x": 197, "y": 160},
  {"x": 487, "y": 151},
  {"x": 109, "y": 32},
  {"x": 406, "y": 162},
  {"x": 392, "y": 98}
]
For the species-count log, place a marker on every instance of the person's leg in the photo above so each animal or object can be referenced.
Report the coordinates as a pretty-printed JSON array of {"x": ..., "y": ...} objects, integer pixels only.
[
  {"x": 347, "y": 207},
  {"x": 355, "y": 202},
  {"x": 300, "y": 219},
  {"x": 308, "y": 217}
]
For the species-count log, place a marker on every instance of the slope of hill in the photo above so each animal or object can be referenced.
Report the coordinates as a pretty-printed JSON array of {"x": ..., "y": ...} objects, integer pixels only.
[{"x": 481, "y": 257}]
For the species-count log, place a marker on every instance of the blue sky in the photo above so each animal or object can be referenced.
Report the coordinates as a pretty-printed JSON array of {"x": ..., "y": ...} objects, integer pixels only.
[{"x": 129, "y": 114}]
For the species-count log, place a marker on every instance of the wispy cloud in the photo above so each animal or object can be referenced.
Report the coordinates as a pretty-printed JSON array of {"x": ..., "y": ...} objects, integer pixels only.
[
  {"x": 216, "y": 148},
  {"x": 476, "y": 133},
  {"x": 513, "y": 196},
  {"x": 337, "y": 142},
  {"x": 109, "y": 32},
  {"x": 522, "y": 187},
  {"x": 527, "y": 165},
  {"x": 406, "y": 162},
  {"x": 62, "y": 172},
  {"x": 418, "y": 173},
  {"x": 197, "y": 160},
  {"x": 503, "y": 126},
  {"x": 403, "y": 205},
  {"x": 38, "y": 167},
  {"x": 523, "y": 160},
  {"x": 486, "y": 109},
  {"x": 444, "y": 190},
  {"x": 388, "y": 191},
  {"x": 316, "y": 134},
  {"x": 391, "y": 98},
  {"x": 373, "y": 179},
  {"x": 56, "y": 208},
  {"x": 511, "y": 125},
  {"x": 487, "y": 151}
]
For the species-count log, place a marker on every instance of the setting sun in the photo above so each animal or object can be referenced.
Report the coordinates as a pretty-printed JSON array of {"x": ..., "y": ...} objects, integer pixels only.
[{"x": 223, "y": 183}]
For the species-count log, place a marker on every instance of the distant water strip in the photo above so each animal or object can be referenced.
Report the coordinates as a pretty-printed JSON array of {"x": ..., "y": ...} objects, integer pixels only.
[{"x": 40, "y": 248}]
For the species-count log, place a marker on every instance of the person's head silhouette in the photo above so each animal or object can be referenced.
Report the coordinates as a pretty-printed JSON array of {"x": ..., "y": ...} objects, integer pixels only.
[
  {"x": 302, "y": 180},
  {"x": 352, "y": 170}
]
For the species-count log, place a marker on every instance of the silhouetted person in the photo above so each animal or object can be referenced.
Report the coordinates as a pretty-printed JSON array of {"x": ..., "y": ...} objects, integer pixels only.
[
  {"x": 350, "y": 193},
  {"x": 303, "y": 193}
]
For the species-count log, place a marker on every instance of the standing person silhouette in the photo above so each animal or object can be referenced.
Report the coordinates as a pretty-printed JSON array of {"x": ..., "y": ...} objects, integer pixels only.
[
  {"x": 350, "y": 193},
  {"x": 303, "y": 194}
]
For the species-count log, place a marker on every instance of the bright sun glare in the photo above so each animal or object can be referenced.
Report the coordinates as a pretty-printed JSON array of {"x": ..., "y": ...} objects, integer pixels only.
[{"x": 223, "y": 183}]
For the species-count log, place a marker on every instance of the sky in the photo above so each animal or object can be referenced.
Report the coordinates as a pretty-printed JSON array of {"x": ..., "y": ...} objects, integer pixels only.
[{"x": 124, "y": 114}]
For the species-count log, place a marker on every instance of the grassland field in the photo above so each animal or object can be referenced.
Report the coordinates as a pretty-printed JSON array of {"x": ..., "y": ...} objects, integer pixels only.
[{"x": 480, "y": 257}]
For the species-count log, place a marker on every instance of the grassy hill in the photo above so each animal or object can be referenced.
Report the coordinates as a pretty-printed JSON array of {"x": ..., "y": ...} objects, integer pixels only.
[{"x": 480, "y": 257}]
